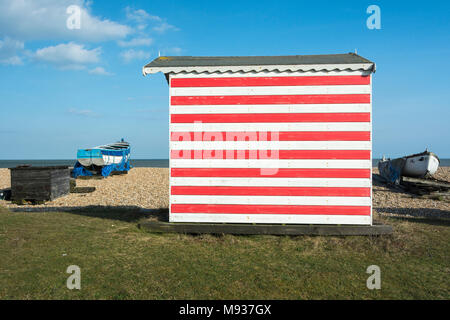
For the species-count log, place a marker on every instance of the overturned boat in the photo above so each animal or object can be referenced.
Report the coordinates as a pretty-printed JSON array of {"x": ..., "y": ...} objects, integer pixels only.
[
  {"x": 103, "y": 159},
  {"x": 421, "y": 164},
  {"x": 417, "y": 165}
]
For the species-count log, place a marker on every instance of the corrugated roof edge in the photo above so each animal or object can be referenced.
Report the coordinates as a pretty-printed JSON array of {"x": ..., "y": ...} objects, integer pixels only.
[{"x": 339, "y": 62}]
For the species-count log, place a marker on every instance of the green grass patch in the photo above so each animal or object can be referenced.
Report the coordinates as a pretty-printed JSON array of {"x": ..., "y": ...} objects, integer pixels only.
[{"x": 120, "y": 261}]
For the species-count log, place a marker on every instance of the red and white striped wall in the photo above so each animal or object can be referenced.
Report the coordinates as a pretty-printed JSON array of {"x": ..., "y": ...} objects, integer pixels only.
[{"x": 271, "y": 147}]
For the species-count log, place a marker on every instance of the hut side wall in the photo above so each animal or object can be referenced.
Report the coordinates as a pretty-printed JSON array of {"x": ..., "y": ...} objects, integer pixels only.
[{"x": 271, "y": 147}]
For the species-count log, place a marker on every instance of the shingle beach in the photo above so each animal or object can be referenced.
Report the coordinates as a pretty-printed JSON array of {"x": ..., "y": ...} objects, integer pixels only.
[{"x": 148, "y": 188}]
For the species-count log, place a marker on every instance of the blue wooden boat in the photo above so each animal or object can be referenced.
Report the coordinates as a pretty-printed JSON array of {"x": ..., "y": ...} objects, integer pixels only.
[{"x": 103, "y": 159}]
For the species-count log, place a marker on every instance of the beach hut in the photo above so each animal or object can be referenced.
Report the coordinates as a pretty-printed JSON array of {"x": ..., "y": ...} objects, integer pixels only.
[{"x": 270, "y": 139}]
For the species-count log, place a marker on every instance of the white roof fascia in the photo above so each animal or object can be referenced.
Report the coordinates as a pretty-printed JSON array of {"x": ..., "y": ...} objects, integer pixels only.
[{"x": 256, "y": 68}]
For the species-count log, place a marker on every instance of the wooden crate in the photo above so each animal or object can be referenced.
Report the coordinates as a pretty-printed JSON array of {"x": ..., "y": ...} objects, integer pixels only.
[{"x": 39, "y": 183}]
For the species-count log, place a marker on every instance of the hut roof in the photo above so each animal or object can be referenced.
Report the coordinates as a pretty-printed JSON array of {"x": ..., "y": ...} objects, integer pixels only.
[{"x": 325, "y": 62}]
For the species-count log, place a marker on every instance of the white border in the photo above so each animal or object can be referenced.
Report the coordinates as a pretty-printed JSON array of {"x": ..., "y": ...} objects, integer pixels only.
[
  {"x": 271, "y": 218},
  {"x": 260, "y": 68}
]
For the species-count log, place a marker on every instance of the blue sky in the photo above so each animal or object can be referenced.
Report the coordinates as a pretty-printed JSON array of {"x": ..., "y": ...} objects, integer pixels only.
[{"x": 62, "y": 89}]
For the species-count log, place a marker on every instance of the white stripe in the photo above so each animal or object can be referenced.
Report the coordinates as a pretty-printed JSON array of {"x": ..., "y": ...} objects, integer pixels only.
[
  {"x": 269, "y": 74},
  {"x": 272, "y": 200},
  {"x": 271, "y": 218},
  {"x": 268, "y": 127},
  {"x": 271, "y": 182},
  {"x": 270, "y": 90},
  {"x": 220, "y": 163},
  {"x": 107, "y": 159},
  {"x": 272, "y": 108},
  {"x": 267, "y": 145}
]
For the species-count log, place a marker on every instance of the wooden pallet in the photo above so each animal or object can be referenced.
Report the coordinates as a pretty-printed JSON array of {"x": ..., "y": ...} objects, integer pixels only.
[
  {"x": 265, "y": 229},
  {"x": 426, "y": 186}
]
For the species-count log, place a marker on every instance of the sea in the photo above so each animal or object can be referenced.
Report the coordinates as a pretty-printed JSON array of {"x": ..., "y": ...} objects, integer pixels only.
[
  {"x": 146, "y": 163},
  {"x": 138, "y": 163}
]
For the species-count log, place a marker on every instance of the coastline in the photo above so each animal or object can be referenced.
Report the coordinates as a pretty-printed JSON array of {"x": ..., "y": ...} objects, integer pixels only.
[{"x": 137, "y": 163}]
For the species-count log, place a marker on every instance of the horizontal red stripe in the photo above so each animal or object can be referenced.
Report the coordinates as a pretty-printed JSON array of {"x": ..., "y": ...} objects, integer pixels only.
[
  {"x": 270, "y": 154},
  {"x": 271, "y": 191},
  {"x": 270, "y": 209},
  {"x": 269, "y": 136},
  {"x": 269, "y": 81},
  {"x": 270, "y": 99},
  {"x": 280, "y": 173},
  {"x": 271, "y": 117},
  {"x": 325, "y": 136}
]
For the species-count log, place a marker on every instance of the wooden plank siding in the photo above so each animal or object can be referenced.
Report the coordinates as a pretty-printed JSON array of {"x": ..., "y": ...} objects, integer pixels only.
[
  {"x": 271, "y": 147},
  {"x": 39, "y": 183}
]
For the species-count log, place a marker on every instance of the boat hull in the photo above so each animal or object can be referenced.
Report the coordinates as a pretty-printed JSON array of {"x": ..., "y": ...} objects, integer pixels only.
[
  {"x": 420, "y": 165},
  {"x": 104, "y": 155},
  {"x": 415, "y": 165},
  {"x": 101, "y": 161}
]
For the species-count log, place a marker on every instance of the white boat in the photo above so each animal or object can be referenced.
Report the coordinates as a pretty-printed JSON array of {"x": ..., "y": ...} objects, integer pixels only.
[
  {"x": 416, "y": 165},
  {"x": 421, "y": 164}
]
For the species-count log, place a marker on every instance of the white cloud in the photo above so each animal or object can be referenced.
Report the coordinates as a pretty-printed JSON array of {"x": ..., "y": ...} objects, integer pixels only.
[
  {"x": 14, "y": 61},
  {"x": 135, "y": 42},
  {"x": 143, "y": 18},
  {"x": 46, "y": 20},
  {"x": 9, "y": 50},
  {"x": 132, "y": 54},
  {"x": 83, "y": 113},
  {"x": 100, "y": 71},
  {"x": 163, "y": 27},
  {"x": 31, "y": 20},
  {"x": 140, "y": 15},
  {"x": 68, "y": 56}
]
